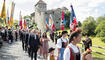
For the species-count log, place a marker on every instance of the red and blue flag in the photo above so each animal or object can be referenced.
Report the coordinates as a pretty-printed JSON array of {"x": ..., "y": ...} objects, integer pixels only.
[{"x": 73, "y": 21}]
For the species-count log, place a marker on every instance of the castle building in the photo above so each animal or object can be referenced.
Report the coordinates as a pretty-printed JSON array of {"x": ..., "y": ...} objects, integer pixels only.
[{"x": 41, "y": 12}]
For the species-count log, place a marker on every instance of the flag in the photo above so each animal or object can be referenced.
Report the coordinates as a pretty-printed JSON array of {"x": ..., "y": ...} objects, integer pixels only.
[
  {"x": 73, "y": 21},
  {"x": 47, "y": 22},
  {"x": 20, "y": 22},
  {"x": 24, "y": 25},
  {"x": 20, "y": 17},
  {"x": 12, "y": 13},
  {"x": 8, "y": 16},
  {"x": 51, "y": 23},
  {"x": 3, "y": 12},
  {"x": 62, "y": 21}
]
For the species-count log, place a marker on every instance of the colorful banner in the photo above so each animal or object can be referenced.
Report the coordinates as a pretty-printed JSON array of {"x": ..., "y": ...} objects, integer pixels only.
[
  {"x": 3, "y": 12},
  {"x": 12, "y": 13}
]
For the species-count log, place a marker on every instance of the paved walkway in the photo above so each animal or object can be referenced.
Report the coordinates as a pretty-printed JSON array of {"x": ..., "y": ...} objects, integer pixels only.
[{"x": 14, "y": 52}]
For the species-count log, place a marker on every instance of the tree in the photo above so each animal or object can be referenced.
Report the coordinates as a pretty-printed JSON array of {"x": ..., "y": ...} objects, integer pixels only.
[
  {"x": 29, "y": 17},
  {"x": 67, "y": 18},
  {"x": 1, "y": 20},
  {"x": 79, "y": 24},
  {"x": 89, "y": 26},
  {"x": 100, "y": 19},
  {"x": 100, "y": 29}
]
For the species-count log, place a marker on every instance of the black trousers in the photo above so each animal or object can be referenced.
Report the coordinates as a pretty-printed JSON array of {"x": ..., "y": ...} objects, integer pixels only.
[
  {"x": 86, "y": 47},
  {"x": 34, "y": 53},
  {"x": 55, "y": 40},
  {"x": 23, "y": 45},
  {"x": 26, "y": 47},
  {"x": 29, "y": 52},
  {"x": 16, "y": 38}
]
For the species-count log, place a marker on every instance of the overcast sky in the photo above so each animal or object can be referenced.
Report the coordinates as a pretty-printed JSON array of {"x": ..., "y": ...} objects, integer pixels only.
[{"x": 83, "y": 8}]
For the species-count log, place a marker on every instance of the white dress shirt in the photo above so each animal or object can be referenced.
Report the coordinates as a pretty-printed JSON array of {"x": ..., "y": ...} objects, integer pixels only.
[
  {"x": 67, "y": 51},
  {"x": 59, "y": 42}
]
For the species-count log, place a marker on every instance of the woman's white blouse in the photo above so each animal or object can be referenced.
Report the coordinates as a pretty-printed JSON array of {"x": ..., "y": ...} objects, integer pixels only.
[{"x": 67, "y": 51}]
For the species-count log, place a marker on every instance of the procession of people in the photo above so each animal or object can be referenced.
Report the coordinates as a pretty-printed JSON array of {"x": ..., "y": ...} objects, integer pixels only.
[{"x": 36, "y": 45}]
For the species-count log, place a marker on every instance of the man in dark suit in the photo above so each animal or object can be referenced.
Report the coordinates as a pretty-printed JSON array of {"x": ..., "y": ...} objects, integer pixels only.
[
  {"x": 10, "y": 36},
  {"x": 29, "y": 38},
  {"x": 5, "y": 35},
  {"x": 21, "y": 35},
  {"x": 16, "y": 35},
  {"x": 26, "y": 40},
  {"x": 34, "y": 44},
  {"x": 23, "y": 39}
]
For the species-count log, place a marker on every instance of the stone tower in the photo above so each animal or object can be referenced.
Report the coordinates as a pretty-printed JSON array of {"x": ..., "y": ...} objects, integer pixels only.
[{"x": 40, "y": 9}]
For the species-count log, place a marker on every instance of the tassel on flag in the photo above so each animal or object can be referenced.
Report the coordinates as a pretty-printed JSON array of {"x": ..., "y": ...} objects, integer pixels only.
[{"x": 73, "y": 21}]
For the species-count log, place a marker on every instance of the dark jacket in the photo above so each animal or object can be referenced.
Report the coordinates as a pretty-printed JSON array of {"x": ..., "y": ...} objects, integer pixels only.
[
  {"x": 26, "y": 38},
  {"x": 10, "y": 36},
  {"x": 34, "y": 43},
  {"x": 21, "y": 35},
  {"x": 88, "y": 43}
]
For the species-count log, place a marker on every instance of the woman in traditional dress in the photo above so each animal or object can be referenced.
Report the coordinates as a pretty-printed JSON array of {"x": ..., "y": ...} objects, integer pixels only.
[{"x": 72, "y": 51}]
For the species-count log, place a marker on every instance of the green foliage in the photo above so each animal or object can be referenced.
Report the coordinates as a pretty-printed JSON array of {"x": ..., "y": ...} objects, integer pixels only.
[
  {"x": 29, "y": 17},
  {"x": 33, "y": 26},
  {"x": 100, "y": 30},
  {"x": 67, "y": 18},
  {"x": 89, "y": 26},
  {"x": 1, "y": 20},
  {"x": 79, "y": 24},
  {"x": 100, "y": 19},
  {"x": 103, "y": 39}
]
